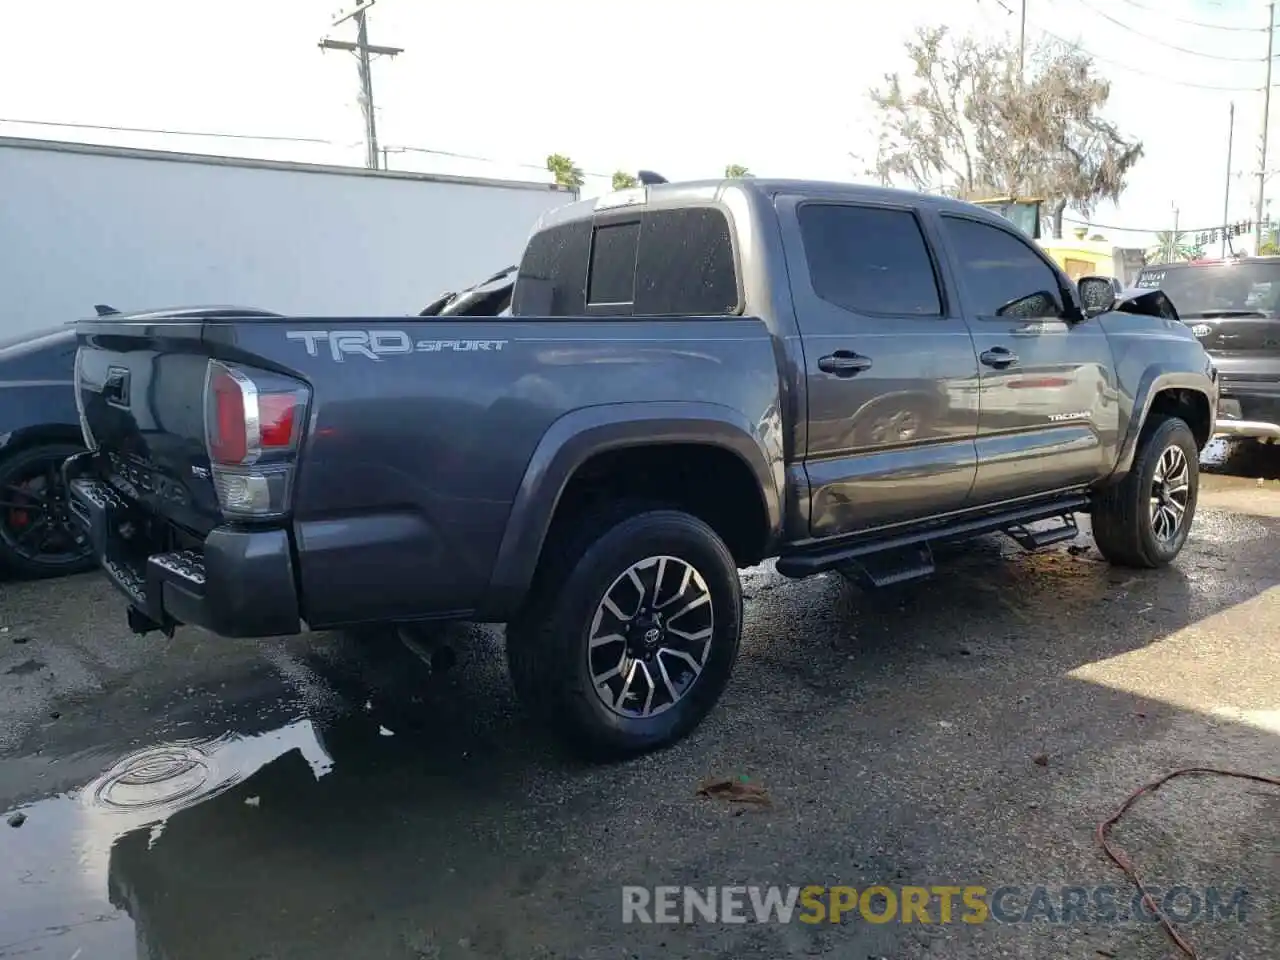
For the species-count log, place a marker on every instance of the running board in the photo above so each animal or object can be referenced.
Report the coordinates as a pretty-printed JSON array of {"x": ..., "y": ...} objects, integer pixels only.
[{"x": 805, "y": 563}]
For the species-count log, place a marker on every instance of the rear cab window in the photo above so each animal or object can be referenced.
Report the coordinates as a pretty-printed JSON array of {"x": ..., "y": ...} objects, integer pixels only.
[{"x": 652, "y": 263}]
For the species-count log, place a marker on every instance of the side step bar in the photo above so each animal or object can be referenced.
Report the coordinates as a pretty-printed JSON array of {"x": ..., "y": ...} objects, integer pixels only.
[
  {"x": 1013, "y": 521},
  {"x": 894, "y": 566}
]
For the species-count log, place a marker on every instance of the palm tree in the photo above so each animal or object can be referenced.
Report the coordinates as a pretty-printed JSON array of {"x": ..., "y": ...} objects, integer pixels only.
[
  {"x": 1173, "y": 247},
  {"x": 624, "y": 181},
  {"x": 736, "y": 170},
  {"x": 567, "y": 173}
]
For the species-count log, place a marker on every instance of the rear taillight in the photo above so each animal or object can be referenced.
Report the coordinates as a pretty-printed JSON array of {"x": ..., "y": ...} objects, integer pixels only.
[{"x": 253, "y": 424}]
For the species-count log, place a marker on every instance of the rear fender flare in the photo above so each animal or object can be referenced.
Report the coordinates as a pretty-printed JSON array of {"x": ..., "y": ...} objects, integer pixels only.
[{"x": 581, "y": 434}]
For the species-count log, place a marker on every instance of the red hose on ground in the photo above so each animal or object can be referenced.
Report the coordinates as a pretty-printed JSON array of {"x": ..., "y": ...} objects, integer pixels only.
[{"x": 1125, "y": 864}]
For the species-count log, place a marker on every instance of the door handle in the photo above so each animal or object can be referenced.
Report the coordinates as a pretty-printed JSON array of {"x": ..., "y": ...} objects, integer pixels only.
[
  {"x": 116, "y": 388},
  {"x": 998, "y": 357},
  {"x": 844, "y": 363}
]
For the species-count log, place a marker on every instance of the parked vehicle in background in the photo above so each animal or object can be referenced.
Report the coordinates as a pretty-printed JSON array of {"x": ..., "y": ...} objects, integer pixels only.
[
  {"x": 39, "y": 429},
  {"x": 693, "y": 378},
  {"x": 140, "y": 229},
  {"x": 1233, "y": 307}
]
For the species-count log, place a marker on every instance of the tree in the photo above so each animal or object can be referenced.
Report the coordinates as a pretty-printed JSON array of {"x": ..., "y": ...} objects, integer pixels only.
[
  {"x": 1270, "y": 245},
  {"x": 964, "y": 122},
  {"x": 736, "y": 170},
  {"x": 1173, "y": 247},
  {"x": 624, "y": 181},
  {"x": 567, "y": 174}
]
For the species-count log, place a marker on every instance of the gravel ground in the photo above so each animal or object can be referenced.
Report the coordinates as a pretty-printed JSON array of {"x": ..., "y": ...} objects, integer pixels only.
[{"x": 321, "y": 797}]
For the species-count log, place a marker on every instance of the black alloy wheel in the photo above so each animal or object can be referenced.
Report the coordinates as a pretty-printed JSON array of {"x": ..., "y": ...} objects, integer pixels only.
[{"x": 39, "y": 536}]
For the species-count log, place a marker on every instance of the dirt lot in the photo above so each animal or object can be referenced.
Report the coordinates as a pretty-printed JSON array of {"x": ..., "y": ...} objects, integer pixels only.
[{"x": 319, "y": 798}]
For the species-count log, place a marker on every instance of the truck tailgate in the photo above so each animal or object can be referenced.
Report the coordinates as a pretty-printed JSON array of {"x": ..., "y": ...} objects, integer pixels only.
[
  {"x": 185, "y": 489},
  {"x": 141, "y": 389}
]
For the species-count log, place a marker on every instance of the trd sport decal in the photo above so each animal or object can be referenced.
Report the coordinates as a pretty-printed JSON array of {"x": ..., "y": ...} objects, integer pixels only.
[{"x": 376, "y": 344}]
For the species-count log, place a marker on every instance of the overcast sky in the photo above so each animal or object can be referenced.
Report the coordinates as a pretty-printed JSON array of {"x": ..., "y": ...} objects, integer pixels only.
[{"x": 678, "y": 87}]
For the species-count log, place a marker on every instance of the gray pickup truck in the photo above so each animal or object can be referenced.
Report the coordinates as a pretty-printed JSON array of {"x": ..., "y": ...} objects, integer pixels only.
[{"x": 680, "y": 381}]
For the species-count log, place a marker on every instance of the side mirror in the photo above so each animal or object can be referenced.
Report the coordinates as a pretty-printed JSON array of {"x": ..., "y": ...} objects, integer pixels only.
[{"x": 1098, "y": 294}]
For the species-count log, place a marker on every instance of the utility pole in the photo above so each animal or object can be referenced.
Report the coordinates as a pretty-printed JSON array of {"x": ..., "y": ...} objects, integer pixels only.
[
  {"x": 1022, "y": 41},
  {"x": 1172, "y": 246},
  {"x": 362, "y": 48},
  {"x": 1266, "y": 118},
  {"x": 1226, "y": 193}
]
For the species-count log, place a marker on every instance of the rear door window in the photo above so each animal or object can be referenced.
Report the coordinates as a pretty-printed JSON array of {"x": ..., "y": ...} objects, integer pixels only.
[{"x": 870, "y": 260}]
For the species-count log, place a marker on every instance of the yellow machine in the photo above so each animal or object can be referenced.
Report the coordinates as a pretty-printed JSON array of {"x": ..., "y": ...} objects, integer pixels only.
[
  {"x": 1024, "y": 214},
  {"x": 1079, "y": 257}
]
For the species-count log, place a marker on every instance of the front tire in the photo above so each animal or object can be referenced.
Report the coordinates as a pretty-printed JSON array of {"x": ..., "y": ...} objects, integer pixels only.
[
  {"x": 1144, "y": 520},
  {"x": 631, "y": 632}
]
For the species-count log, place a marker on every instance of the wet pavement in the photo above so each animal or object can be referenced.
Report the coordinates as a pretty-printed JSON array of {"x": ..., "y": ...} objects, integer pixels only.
[{"x": 329, "y": 797}]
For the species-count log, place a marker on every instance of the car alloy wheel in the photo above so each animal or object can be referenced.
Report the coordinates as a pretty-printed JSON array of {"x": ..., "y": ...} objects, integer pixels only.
[
  {"x": 650, "y": 637},
  {"x": 1170, "y": 491}
]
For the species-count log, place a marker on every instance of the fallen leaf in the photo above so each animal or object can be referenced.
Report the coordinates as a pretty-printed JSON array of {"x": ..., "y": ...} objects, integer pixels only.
[{"x": 734, "y": 790}]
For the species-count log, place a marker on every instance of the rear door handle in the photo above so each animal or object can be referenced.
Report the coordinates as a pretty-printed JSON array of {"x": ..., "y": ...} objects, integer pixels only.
[
  {"x": 998, "y": 357},
  {"x": 844, "y": 363}
]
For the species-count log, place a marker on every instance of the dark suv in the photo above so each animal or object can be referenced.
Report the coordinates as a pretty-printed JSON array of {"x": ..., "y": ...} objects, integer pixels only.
[{"x": 1233, "y": 307}]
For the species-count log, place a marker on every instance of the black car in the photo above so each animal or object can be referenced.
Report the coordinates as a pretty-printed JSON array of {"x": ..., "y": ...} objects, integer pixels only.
[
  {"x": 39, "y": 429},
  {"x": 1233, "y": 307}
]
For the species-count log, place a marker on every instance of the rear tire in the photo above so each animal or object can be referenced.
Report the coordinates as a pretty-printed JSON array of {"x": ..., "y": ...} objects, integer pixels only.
[
  {"x": 38, "y": 536},
  {"x": 674, "y": 650},
  {"x": 1144, "y": 520}
]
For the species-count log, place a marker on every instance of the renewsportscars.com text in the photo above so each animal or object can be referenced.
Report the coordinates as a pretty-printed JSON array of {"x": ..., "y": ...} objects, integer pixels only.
[{"x": 943, "y": 904}]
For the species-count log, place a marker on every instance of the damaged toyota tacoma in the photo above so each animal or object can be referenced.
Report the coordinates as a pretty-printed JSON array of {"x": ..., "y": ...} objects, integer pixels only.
[{"x": 676, "y": 382}]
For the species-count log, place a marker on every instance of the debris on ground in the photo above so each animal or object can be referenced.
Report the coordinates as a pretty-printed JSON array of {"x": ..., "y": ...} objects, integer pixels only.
[
  {"x": 17, "y": 819},
  {"x": 738, "y": 789},
  {"x": 1040, "y": 759}
]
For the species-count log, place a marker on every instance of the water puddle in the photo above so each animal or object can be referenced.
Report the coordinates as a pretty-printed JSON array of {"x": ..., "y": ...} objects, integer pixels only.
[{"x": 57, "y": 894}]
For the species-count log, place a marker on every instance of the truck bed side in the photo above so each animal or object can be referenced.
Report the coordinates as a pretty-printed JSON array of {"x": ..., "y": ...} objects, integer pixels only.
[{"x": 422, "y": 434}]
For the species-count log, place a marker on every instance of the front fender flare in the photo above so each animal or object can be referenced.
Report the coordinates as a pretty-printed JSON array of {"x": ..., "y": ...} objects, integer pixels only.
[
  {"x": 577, "y": 436},
  {"x": 1155, "y": 379}
]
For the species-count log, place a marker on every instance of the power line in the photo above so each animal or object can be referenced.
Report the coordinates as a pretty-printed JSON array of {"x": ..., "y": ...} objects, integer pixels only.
[
  {"x": 1193, "y": 23},
  {"x": 1164, "y": 229},
  {"x": 173, "y": 133},
  {"x": 1076, "y": 45},
  {"x": 217, "y": 135},
  {"x": 1164, "y": 43}
]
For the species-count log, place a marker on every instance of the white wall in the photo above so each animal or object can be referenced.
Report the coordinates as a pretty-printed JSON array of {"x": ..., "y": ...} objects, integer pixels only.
[{"x": 81, "y": 228}]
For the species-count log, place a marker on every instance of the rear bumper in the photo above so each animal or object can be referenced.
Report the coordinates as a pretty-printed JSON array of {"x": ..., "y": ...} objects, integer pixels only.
[{"x": 241, "y": 584}]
